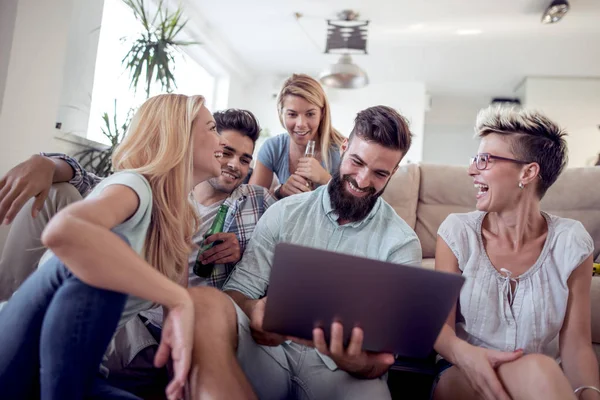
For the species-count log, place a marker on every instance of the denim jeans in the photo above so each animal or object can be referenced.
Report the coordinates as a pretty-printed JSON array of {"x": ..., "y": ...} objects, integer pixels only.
[{"x": 55, "y": 330}]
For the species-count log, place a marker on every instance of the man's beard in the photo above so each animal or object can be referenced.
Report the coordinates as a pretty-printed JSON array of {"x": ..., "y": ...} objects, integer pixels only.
[
  {"x": 347, "y": 206},
  {"x": 219, "y": 187},
  {"x": 216, "y": 185}
]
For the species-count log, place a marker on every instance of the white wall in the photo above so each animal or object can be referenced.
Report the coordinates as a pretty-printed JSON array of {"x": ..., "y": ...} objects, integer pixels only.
[
  {"x": 33, "y": 79},
  {"x": 8, "y": 16},
  {"x": 79, "y": 66},
  {"x": 260, "y": 97},
  {"x": 408, "y": 98},
  {"x": 35, "y": 59},
  {"x": 574, "y": 103},
  {"x": 449, "y": 129},
  {"x": 50, "y": 64}
]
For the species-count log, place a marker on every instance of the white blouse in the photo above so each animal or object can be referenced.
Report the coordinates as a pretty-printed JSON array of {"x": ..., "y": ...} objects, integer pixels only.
[{"x": 489, "y": 314}]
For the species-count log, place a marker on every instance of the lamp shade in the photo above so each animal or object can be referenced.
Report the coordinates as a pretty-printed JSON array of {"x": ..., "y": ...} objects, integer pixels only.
[
  {"x": 344, "y": 75},
  {"x": 555, "y": 11}
]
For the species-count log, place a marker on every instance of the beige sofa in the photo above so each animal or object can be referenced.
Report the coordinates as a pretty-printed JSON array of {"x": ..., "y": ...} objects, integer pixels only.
[{"x": 424, "y": 195}]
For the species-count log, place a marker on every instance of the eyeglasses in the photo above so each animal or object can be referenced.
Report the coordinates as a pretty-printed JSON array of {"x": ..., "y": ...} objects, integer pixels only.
[{"x": 481, "y": 160}]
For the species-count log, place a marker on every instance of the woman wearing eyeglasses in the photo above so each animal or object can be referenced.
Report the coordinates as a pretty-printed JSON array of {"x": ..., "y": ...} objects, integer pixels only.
[{"x": 522, "y": 327}]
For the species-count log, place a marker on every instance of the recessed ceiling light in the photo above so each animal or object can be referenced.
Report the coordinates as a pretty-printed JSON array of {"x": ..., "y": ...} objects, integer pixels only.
[
  {"x": 468, "y": 31},
  {"x": 416, "y": 27}
]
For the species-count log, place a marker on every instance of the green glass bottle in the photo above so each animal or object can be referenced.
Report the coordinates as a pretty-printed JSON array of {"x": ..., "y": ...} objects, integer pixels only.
[{"x": 205, "y": 270}]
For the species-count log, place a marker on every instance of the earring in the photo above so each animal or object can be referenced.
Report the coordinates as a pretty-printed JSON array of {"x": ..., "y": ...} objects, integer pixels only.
[{"x": 521, "y": 186}]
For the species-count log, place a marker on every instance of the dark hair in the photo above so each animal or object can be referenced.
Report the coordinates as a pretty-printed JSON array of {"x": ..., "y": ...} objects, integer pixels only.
[
  {"x": 535, "y": 138},
  {"x": 383, "y": 125},
  {"x": 242, "y": 121}
]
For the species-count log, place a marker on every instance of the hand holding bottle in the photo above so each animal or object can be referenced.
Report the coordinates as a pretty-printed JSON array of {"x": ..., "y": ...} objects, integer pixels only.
[
  {"x": 204, "y": 270},
  {"x": 311, "y": 169}
]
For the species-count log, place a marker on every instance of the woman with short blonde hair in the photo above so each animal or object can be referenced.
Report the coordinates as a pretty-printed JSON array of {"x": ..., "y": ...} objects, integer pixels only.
[{"x": 522, "y": 325}]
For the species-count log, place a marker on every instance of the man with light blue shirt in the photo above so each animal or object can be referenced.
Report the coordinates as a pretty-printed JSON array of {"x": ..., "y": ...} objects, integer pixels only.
[{"x": 346, "y": 216}]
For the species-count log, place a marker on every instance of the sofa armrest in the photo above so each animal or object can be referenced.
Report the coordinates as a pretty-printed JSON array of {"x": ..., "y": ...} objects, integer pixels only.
[{"x": 595, "y": 300}]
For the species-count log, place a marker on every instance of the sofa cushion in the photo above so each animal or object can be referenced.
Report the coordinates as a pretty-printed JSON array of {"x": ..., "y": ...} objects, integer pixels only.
[
  {"x": 402, "y": 193},
  {"x": 576, "y": 194},
  {"x": 443, "y": 190}
]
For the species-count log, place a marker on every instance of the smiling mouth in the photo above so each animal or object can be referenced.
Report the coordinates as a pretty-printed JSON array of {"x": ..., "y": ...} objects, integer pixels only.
[
  {"x": 357, "y": 190},
  {"x": 302, "y": 133},
  {"x": 482, "y": 189},
  {"x": 218, "y": 154},
  {"x": 229, "y": 175}
]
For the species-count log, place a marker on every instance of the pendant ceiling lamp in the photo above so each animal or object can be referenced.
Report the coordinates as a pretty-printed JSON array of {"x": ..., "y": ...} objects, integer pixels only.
[
  {"x": 555, "y": 11},
  {"x": 344, "y": 74},
  {"x": 346, "y": 35}
]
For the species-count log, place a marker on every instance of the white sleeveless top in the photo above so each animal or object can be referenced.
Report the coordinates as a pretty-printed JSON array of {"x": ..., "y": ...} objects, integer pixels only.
[{"x": 530, "y": 318}]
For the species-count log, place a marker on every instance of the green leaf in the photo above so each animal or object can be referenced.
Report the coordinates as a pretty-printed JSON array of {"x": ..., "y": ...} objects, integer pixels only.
[{"x": 152, "y": 51}]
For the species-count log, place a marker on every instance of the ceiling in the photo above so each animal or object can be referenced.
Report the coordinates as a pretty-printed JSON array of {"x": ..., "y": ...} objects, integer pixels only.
[{"x": 417, "y": 40}]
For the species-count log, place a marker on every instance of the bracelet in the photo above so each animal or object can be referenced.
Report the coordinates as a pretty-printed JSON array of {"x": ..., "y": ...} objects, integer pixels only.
[{"x": 582, "y": 388}]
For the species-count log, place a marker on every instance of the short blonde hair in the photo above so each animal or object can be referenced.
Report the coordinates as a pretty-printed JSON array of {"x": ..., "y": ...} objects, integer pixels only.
[{"x": 534, "y": 138}]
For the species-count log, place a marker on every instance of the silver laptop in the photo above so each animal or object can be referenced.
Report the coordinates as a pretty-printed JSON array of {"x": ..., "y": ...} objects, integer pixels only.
[{"x": 400, "y": 308}]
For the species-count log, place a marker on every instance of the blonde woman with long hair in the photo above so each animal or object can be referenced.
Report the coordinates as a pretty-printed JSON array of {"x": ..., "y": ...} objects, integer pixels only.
[
  {"x": 304, "y": 112},
  {"x": 121, "y": 250}
]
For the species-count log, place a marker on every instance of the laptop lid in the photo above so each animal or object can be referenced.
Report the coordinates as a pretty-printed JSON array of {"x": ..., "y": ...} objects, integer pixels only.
[{"x": 400, "y": 308}]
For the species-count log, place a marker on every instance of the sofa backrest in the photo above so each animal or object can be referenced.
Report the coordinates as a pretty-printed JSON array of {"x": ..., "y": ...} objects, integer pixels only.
[
  {"x": 446, "y": 189},
  {"x": 576, "y": 195},
  {"x": 443, "y": 190},
  {"x": 402, "y": 192}
]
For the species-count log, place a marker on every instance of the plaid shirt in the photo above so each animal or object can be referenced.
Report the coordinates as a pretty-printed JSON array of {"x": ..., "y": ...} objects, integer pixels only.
[
  {"x": 83, "y": 181},
  {"x": 247, "y": 203}
]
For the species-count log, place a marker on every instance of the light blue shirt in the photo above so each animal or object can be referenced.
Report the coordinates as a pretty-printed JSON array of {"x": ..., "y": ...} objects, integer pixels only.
[
  {"x": 275, "y": 155},
  {"x": 308, "y": 219}
]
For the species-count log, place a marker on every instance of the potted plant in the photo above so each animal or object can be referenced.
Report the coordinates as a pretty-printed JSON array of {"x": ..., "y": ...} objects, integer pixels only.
[
  {"x": 151, "y": 58},
  {"x": 151, "y": 54},
  {"x": 99, "y": 161}
]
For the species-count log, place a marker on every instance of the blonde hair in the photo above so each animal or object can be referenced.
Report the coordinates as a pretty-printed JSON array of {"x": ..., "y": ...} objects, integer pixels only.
[
  {"x": 309, "y": 89},
  {"x": 159, "y": 147}
]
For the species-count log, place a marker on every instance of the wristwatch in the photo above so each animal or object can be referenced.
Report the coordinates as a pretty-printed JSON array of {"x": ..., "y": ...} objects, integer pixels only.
[{"x": 277, "y": 192}]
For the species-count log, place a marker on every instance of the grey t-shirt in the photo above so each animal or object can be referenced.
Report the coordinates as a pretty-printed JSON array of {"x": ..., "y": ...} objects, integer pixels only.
[{"x": 134, "y": 229}]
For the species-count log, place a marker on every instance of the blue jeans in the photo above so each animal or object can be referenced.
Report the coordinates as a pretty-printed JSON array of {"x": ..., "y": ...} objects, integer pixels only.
[{"x": 55, "y": 330}]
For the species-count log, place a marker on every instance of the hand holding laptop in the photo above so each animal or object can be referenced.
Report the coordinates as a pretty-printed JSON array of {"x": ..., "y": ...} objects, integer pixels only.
[
  {"x": 352, "y": 359},
  {"x": 262, "y": 337}
]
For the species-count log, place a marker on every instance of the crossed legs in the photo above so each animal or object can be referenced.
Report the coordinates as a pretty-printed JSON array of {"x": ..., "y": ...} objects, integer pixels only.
[{"x": 533, "y": 376}]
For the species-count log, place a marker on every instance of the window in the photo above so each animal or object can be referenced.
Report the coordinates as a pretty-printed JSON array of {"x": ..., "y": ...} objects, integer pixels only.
[{"x": 111, "y": 80}]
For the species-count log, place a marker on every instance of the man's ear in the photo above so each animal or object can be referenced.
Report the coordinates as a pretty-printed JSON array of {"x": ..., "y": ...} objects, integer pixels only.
[{"x": 344, "y": 146}]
